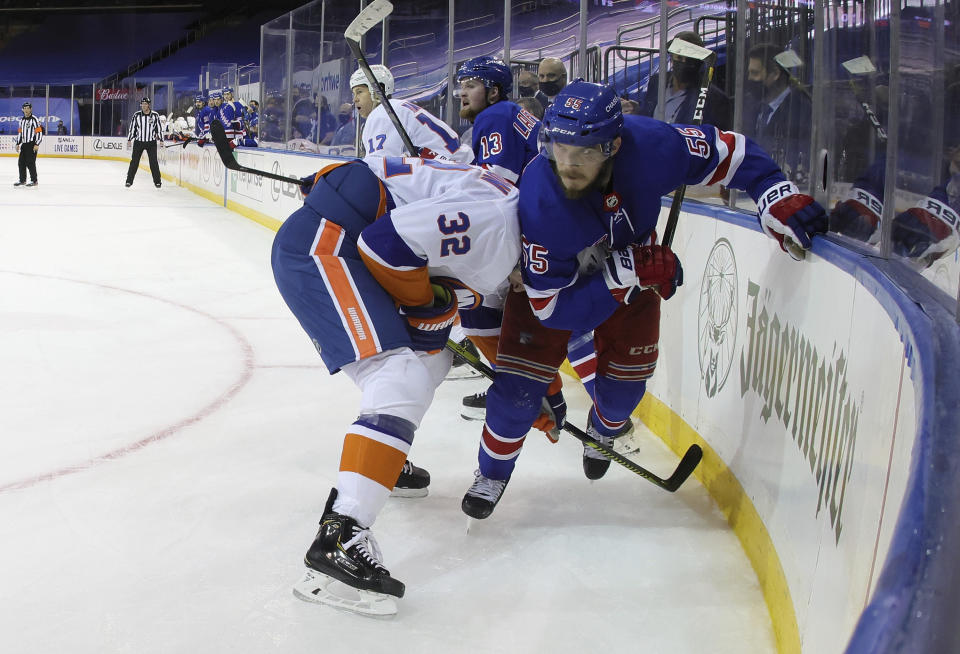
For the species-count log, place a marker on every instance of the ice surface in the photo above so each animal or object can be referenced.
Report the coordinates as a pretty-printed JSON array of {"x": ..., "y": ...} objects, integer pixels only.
[{"x": 168, "y": 437}]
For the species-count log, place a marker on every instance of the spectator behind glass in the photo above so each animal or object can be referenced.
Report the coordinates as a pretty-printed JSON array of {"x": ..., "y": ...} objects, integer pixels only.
[
  {"x": 777, "y": 115},
  {"x": 628, "y": 106},
  {"x": 328, "y": 123},
  {"x": 683, "y": 90},
  {"x": 61, "y": 128},
  {"x": 347, "y": 132},
  {"x": 527, "y": 84},
  {"x": 552, "y": 77}
]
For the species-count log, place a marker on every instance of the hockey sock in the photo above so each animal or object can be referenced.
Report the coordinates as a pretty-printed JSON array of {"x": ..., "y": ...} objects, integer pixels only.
[{"x": 374, "y": 450}]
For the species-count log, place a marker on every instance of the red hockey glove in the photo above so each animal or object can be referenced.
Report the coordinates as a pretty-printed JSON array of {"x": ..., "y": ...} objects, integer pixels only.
[
  {"x": 858, "y": 216},
  {"x": 553, "y": 416},
  {"x": 429, "y": 327},
  {"x": 639, "y": 267},
  {"x": 926, "y": 232}
]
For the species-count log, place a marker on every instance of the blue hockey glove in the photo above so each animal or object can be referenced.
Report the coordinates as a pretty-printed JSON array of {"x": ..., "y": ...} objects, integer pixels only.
[
  {"x": 553, "y": 415},
  {"x": 429, "y": 327},
  {"x": 790, "y": 217}
]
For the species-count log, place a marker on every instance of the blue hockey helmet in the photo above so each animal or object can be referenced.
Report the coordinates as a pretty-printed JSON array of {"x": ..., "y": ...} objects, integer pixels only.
[
  {"x": 584, "y": 114},
  {"x": 489, "y": 70},
  {"x": 215, "y": 93},
  {"x": 199, "y": 97},
  {"x": 227, "y": 89}
]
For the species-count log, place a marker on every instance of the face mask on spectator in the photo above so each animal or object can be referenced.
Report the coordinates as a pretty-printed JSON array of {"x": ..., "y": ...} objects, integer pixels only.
[{"x": 550, "y": 89}]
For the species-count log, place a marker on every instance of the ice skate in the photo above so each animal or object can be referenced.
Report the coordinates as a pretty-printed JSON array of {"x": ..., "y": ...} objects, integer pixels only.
[
  {"x": 474, "y": 406},
  {"x": 344, "y": 568},
  {"x": 482, "y": 497},
  {"x": 595, "y": 464},
  {"x": 413, "y": 482},
  {"x": 460, "y": 368}
]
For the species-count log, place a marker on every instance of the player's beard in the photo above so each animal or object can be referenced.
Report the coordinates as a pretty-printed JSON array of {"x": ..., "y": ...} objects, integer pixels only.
[
  {"x": 596, "y": 184},
  {"x": 469, "y": 113}
]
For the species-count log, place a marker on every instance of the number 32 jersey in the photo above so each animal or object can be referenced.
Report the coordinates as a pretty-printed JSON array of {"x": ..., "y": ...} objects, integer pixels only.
[
  {"x": 451, "y": 220},
  {"x": 381, "y": 138}
]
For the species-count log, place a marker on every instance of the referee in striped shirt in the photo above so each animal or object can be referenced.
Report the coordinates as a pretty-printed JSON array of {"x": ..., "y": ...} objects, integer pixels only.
[
  {"x": 145, "y": 131},
  {"x": 29, "y": 136}
]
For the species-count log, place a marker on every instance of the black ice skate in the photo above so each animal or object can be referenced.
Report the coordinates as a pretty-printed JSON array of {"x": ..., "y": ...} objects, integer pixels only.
[
  {"x": 480, "y": 501},
  {"x": 474, "y": 406},
  {"x": 595, "y": 464},
  {"x": 460, "y": 368},
  {"x": 19, "y": 183},
  {"x": 413, "y": 482},
  {"x": 345, "y": 552}
]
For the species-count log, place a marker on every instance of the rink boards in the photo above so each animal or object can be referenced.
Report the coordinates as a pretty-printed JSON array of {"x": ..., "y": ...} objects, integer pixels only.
[{"x": 808, "y": 384}]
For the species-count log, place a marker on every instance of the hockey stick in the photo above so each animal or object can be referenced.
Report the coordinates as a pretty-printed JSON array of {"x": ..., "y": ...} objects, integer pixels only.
[
  {"x": 372, "y": 14},
  {"x": 788, "y": 60},
  {"x": 863, "y": 66},
  {"x": 219, "y": 136},
  {"x": 683, "y": 470},
  {"x": 681, "y": 48}
]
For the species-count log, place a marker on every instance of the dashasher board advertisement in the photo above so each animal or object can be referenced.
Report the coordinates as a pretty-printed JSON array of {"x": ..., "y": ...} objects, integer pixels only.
[
  {"x": 795, "y": 375},
  {"x": 49, "y": 112},
  {"x": 274, "y": 198},
  {"x": 62, "y": 146},
  {"x": 107, "y": 146}
]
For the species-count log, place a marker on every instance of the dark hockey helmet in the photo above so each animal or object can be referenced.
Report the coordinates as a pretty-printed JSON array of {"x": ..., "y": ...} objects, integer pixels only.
[
  {"x": 26, "y": 104},
  {"x": 144, "y": 99},
  {"x": 489, "y": 70}
]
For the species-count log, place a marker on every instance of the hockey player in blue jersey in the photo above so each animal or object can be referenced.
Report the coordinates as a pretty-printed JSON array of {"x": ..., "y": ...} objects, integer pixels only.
[
  {"x": 505, "y": 141},
  {"x": 207, "y": 115},
  {"x": 504, "y": 134},
  {"x": 231, "y": 114},
  {"x": 588, "y": 209}
]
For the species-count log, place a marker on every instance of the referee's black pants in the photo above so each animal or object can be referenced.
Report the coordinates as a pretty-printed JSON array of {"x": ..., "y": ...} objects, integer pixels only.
[
  {"x": 27, "y": 161},
  {"x": 138, "y": 148}
]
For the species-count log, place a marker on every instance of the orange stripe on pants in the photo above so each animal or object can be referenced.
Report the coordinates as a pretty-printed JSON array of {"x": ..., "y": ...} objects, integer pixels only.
[
  {"x": 372, "y": 459},
  {"x": 337, "y": 275}
]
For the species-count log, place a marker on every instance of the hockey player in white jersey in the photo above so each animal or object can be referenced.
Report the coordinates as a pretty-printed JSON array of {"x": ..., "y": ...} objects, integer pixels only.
[
  {"x": 429, "y": 237},
  {"x": 379, "y": 135}
]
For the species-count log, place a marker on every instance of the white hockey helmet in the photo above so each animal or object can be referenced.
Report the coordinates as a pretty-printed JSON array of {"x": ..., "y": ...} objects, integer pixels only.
[
  {"x": 383, "y": 75},
  {"x": 191, "y": 121}
]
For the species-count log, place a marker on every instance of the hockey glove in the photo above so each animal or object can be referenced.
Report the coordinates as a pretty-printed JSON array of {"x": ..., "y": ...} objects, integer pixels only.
[
  {"x": 429, "y": 327},
  {"x": 632, "y": 270},
  {"x": 553, "y": 415},
  {"x": 790, "y": 217},
  {"x": 858, "y": 216},
  {"x": 926, "y": 232}
]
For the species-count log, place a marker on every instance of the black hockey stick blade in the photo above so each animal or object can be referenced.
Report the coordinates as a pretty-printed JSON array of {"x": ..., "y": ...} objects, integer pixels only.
[
  {"x": 219, "y": 136},
  {"x": 683, "y": 470}
]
